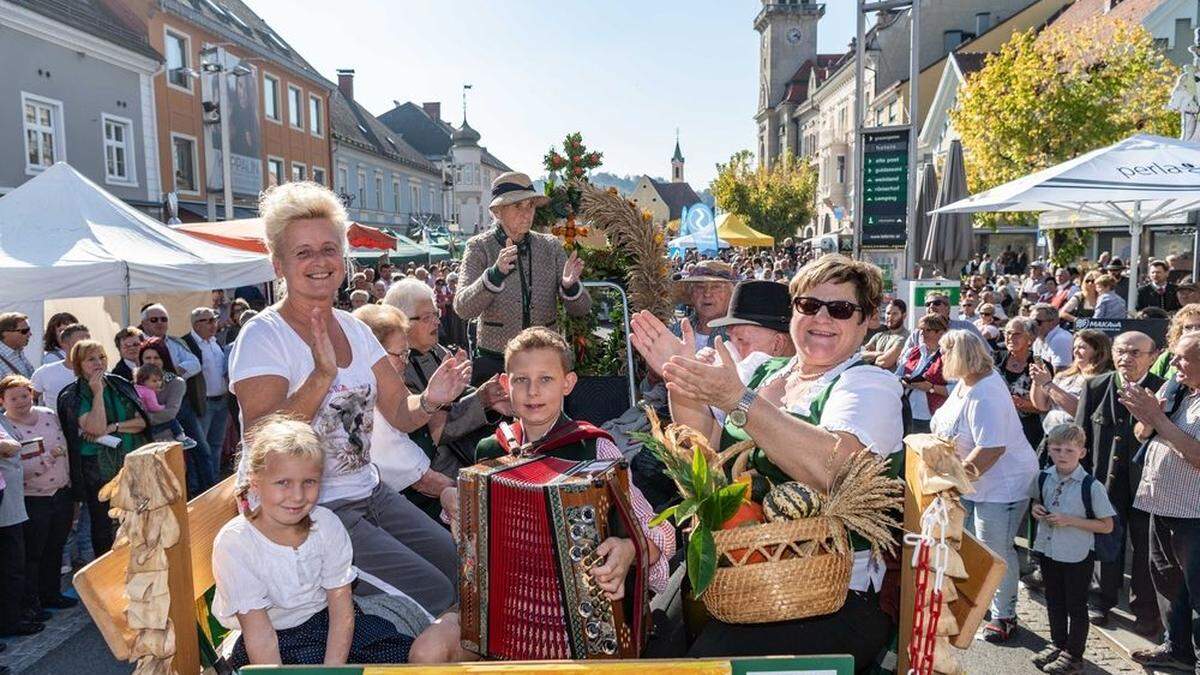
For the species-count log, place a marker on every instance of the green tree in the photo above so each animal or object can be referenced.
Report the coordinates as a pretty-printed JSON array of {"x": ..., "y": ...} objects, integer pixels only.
[
  {"x": 1047, "y": 97},
  {"x": 775, "y": 201}
]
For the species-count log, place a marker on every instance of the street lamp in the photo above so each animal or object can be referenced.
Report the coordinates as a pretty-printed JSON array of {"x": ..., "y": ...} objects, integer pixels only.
[{"x": 215, "y": 63}]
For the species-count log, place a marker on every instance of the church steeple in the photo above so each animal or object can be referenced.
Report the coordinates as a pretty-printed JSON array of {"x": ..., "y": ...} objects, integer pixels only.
[{"x": 677, "y": 162}]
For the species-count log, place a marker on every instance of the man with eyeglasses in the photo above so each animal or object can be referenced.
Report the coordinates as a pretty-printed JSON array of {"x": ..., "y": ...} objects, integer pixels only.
[
  {"x": 936, "y": 303},
  {"x": 14, "y": 337},
  {"x": 1111, "y": 445},
  {"x": 1052, "y": 344},
  {"x": 202, "y": 342},
  {"x": 155, "y": 323}
]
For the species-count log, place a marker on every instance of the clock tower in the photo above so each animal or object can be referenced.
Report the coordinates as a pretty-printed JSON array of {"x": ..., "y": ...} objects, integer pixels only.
[{"x": 787, "y": 38}]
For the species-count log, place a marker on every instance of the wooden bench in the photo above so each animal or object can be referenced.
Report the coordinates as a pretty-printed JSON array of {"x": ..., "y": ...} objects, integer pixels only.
[{"x": 101, "y": 584}]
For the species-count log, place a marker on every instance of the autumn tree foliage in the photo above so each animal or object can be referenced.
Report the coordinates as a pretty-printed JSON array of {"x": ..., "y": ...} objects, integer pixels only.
[
  {"x": 1047, "y": 97},
  {"x": 776, "y": 201}
]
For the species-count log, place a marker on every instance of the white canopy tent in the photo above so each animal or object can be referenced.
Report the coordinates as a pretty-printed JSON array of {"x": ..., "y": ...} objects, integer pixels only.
[
  {"x": 63, "y": 236},
  {"x": 1140, "y": 180}
]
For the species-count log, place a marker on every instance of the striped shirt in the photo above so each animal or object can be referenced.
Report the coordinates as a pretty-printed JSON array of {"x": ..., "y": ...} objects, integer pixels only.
[
  {"x": 1170, "y": 485},
  {"x": 13, "y": 362},
  {"x": 663, "y": 536}
]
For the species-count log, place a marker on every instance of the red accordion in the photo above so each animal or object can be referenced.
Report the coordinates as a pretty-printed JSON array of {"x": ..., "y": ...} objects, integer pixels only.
[{"x": 528, "y": 530}]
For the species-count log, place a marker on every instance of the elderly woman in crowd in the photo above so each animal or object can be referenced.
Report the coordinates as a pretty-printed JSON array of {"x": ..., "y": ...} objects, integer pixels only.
[
  {"x": 450, "y": 436},
  {"x": 1013, "y": 363},
  {"x": 980, "y": 416},
  {"x": 989, "y": 326},
  {"x": 48, "y": 500},
  {"x": 102, "y": 420},
  {"x": 304, "y": 358},
  {"x": 807, "y": 414},
  {"x": 53, "y": 351},
  {"x": 922, "y": 373},
  {"x": 1185, "y": 321},
  {"x": 1057, "y": 394},
  {"x": 544, "y": 273}
]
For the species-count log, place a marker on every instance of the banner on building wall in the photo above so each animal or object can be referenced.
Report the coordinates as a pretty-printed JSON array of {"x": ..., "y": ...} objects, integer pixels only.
[{"x": 240, "y": 101}]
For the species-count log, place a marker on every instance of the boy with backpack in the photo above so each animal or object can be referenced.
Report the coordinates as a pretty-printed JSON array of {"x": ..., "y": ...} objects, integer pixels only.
[{"x": 1076, "y": 527}]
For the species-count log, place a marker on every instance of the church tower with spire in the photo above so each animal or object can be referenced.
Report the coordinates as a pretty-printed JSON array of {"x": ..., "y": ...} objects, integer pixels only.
[{"x": 677, "y": 163}]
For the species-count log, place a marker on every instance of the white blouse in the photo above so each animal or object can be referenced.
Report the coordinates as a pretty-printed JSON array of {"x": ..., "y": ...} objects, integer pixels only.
[{"x": 252, "y": 572}]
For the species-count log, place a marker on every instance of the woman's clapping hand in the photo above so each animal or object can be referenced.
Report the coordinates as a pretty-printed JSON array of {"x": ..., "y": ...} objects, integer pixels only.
[
  {"x": 657, "y": 344},
  {"x": 449, "y": 380},
  {"x": 324, "y": 356},
  {"x": 718, "y": 384}
]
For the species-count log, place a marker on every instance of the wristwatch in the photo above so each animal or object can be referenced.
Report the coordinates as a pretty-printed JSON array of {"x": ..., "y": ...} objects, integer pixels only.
[{"x": 737, "y": 416}]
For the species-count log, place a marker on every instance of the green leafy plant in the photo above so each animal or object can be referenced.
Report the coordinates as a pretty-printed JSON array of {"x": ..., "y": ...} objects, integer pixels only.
[{"x": 708, "y": 501}]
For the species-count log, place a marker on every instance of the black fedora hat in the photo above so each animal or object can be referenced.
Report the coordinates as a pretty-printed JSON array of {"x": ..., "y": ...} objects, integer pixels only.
[{"x": 758, "y": 303}]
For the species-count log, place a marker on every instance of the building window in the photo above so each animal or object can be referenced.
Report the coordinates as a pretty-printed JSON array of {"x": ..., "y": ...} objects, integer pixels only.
[
  {"x": 43, "y": 132},
  {"x": 299, "y": 171},
  {"x": 414, "y": 197},
  {"x": 318, "y": 175},
  {"x": 179, "y": 57},
  {"x": 295, "y": 107},
  {"x": 396, "y": 195},
  {"x": 183, "y": 156},
  {"x": 314, "y": 116},
  {"x": 379, "y": 192},
  {"x": 275, "y": 171},
  {"x": 841, "y": 169},
  {"x": 343, "y": 177},
  {"x": 431, "y": 202},
  {"x": 118, "y": 150},
  {"x": 271, "y": 97},
  {"x": 952, "y": 39},
  {"x": 362, "y": 189}
]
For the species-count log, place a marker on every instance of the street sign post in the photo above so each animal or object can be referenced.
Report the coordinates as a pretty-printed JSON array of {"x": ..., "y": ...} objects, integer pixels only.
[{"x": 885, "y": 190}]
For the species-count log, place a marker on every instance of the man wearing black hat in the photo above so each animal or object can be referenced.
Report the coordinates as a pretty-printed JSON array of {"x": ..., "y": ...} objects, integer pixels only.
[{"x": 757, "y": 321}]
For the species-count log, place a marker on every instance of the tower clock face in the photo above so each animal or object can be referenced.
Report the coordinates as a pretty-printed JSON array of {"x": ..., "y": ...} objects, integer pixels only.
[{"x": 794, "y": 35}]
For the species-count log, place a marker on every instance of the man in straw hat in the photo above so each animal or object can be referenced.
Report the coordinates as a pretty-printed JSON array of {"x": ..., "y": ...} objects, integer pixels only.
[
  {"x": 707, "y": 288},
  {"x": 512, "y": 278}
]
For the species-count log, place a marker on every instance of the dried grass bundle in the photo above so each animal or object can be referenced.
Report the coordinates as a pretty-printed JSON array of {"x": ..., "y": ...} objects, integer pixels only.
[
  {"x": 867, "y": 500},
  {"x": 630, "y": 230}
]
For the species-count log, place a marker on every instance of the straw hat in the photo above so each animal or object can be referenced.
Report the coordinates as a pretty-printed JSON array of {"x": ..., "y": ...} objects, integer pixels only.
[
  {"x": 711, "y": 270},
  {"x": 513, "y": 187}
]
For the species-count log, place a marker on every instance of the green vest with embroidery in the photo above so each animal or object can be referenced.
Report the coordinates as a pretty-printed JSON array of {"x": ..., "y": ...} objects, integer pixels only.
[{"x": 731, "y": 434}]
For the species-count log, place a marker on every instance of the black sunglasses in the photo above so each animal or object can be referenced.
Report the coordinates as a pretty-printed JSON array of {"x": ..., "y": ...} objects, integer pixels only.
[
  {"x": 838, "y": 309},
  {"x": 935, "y": 303}
]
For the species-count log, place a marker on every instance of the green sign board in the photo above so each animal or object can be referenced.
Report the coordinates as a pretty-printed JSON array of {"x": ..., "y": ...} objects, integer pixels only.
[{"x": 885, "y": 188}]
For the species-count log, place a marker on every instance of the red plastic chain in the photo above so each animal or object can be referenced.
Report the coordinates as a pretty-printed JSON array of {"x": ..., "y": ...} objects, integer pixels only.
[{"x": 920, "y": 655}]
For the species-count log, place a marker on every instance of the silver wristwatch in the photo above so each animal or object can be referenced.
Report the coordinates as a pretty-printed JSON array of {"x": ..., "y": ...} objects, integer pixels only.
[{"x": 737, "y": 416}]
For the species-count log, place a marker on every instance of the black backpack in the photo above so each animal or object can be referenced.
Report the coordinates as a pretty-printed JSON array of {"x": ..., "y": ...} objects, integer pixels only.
[{"x": 1107, "y": 546}]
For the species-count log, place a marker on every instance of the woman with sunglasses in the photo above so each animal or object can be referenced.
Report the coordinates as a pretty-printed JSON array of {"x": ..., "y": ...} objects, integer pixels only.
[
  {"x": 1082, "y": 304},
  {"x": 806, "y": 414}
]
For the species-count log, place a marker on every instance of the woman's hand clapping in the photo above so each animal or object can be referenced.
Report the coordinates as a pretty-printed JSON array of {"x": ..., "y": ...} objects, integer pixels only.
[
  {"x": 718, "y": 385},
  {"x": 449, "y": 380},
  {"x": 656, "y": 343},
  {"x": 324, "y": 356},
  {"x": 1040, "y": 374}
]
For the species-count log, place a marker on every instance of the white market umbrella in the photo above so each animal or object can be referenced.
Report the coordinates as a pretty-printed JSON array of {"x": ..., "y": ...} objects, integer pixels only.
[
  {"x": 1138, "y": 180},
  {"x": 63, "y": 236}
]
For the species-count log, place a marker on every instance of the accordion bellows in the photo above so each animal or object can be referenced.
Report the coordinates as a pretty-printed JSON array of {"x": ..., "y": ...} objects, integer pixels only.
[{"x": 529, "y": 527}]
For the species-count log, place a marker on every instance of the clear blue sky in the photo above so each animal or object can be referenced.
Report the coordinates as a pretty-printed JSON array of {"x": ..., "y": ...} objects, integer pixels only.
[{"x": 626, "y": 73}]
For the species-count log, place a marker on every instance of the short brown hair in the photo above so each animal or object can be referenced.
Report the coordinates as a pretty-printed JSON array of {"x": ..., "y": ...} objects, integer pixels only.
[
  {"x": 1061, "y": 434},
  {"x": 538, "y": 337},
  {"x": 838, "y": 269},
  {"x": 128, "y": 331},
  {"x": 1107, "y": 281},
  {"x": 383, "y": 320},
  {"x": 10, "y": 320},
  {"x": 68, "y": 331},
  {"x": 13, "y": 381},
  {"x": 934, "y": 322},
  {"x": 146, "y": 371},
  {"x": 80, "y": 353}
]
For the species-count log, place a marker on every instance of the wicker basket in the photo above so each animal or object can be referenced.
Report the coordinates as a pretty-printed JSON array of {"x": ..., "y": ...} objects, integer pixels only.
[{"x": 803, "y": 573}]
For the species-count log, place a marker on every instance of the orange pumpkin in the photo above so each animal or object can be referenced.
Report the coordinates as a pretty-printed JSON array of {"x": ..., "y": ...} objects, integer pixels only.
[{"x": 749, "y": 513}]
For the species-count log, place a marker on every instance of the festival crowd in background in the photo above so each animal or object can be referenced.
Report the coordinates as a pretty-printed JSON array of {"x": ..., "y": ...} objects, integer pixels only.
[{"x": 1074, "y": 437}]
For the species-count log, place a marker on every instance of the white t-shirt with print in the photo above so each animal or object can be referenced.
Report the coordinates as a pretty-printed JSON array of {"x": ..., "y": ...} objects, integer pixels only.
[
  {"x": 267, "y": 345},
  {"x": 983, "y": 415},
  {"x": 252, "y": 572}
]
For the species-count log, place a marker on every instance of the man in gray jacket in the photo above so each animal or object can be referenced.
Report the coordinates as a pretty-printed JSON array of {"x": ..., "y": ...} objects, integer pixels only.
[{"x": 512, "y": 278}]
